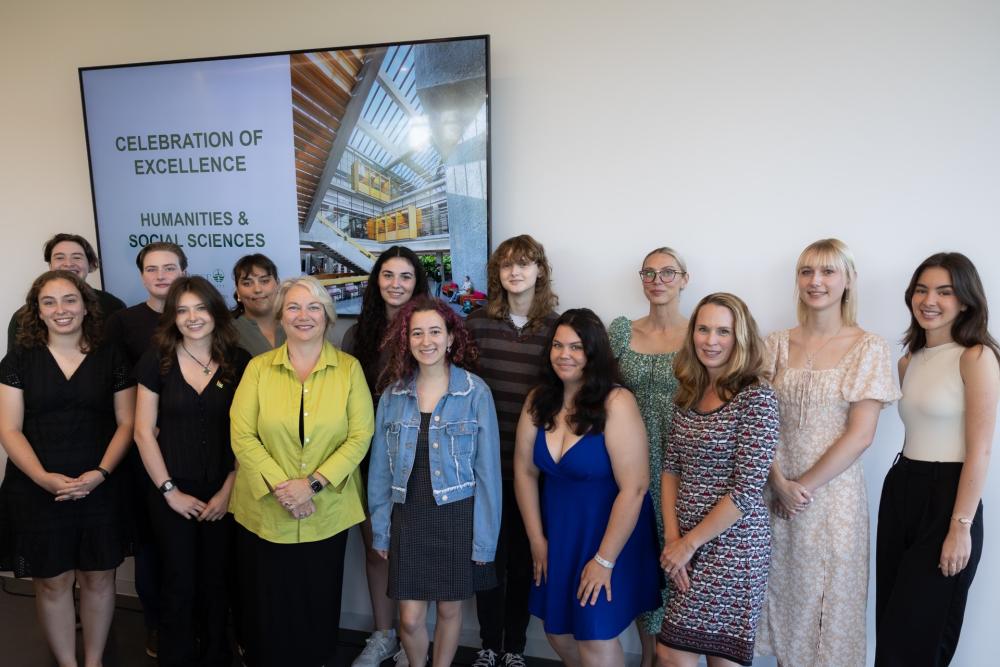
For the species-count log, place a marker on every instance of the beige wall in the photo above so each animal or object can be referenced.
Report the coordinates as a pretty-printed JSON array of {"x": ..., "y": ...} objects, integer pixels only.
[{"x": 736, "y": 132}]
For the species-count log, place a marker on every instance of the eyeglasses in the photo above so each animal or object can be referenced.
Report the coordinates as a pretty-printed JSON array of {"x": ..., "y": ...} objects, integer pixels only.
[{"x": 666, "y": 275}]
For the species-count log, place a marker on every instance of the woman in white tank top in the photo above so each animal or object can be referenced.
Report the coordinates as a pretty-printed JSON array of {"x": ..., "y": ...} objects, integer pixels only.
[{"x": 930, "y": 532}]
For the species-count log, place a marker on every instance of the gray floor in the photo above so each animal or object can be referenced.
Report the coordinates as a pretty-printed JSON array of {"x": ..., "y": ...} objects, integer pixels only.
[{"x": 22, "y": 643}]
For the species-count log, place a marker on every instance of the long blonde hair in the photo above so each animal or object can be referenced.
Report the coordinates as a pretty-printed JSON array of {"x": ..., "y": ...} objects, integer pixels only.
[
  {"x": 744, "y": 367},
  {"x": 830, "y": 252}
]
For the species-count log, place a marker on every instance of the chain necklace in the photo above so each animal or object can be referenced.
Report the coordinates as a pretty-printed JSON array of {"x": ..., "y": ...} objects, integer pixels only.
[
  {"x": 810, "y": 356},
  {"x": 204, "y": 367}
]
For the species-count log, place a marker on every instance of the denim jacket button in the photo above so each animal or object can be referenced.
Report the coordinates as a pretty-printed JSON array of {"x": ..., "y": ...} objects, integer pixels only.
[
  {"x": 437, "y": 473},
  {"x": 444, "y": 497},
  {"x": 435, "y": 445},
  {"x": 437, "y": 418}
]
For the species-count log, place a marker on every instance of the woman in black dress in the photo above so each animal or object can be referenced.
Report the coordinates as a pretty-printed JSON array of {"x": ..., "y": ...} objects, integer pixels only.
[
  {"x": 66, "y": 405},
  {"x": 186, "y": 385}
]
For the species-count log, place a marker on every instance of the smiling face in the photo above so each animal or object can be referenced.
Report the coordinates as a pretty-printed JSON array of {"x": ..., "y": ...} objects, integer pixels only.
[
  {"x": 396, "y": 282},
  {"x": 567, "y": 355},
  {"x": 519, "y": 276},
  {"x": 61, "y": 307},
  {"x": 160, "y": 268},
  {"x": 429, "y": 338},
  {"x": 302, "y": 315},
  {"x": 935, "y": 305},
  {"x": 193, "y": 319},
  {"x": 821, "y": 285},
  {"x": 69, "y": 256},
  {"x": 714, "y": 338},
  {"x": 256, "y": 291},
  {"x": 659, "y": 292}
]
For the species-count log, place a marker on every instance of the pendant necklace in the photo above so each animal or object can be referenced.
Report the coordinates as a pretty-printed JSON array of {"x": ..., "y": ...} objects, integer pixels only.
[
  {"x": 204, "y": 367},
  {"x": 810, "y": 356}
]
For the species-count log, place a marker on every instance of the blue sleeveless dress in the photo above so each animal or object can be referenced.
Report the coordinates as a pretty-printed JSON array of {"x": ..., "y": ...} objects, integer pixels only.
[{"x": 576, "y": 499}]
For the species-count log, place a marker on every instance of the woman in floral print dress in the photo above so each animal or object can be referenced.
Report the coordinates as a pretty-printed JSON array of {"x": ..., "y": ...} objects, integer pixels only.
[{"x": 645, "y": 350}]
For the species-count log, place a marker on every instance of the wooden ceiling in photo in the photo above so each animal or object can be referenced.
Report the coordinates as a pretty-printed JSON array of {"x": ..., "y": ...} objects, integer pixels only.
[{"x": 322, "y": 85}]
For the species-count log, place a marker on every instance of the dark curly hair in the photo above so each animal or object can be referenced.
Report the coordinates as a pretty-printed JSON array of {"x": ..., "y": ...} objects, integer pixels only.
[
  {"x": 243, "y": 267},
  {"x": 971, "y": 327},
  {"x": 372, "y": 322},
  {"x": 32, "y": 332},
  {"x": 224, "y": 336},
  {"x": 600, "y": 376},
  {"x": 401, "y": 365}
]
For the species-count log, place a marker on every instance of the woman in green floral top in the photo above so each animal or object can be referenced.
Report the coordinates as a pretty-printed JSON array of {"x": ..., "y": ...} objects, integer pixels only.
[{"x": 645, "y": 349}]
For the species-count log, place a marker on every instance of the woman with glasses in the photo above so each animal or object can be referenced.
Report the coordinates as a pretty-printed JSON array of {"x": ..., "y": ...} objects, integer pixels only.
[
  {"x": 832, "y": 379},
  {"x": 930, "y": 517},
  {"x": 645, "y": 349}
]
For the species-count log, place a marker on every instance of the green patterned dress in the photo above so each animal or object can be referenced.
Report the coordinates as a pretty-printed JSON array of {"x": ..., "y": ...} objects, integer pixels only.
[{"x": 651, "y": 378}]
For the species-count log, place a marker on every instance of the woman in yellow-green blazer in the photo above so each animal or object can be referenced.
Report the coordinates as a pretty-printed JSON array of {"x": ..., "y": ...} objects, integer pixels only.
[{"x": 302, "y": 421}]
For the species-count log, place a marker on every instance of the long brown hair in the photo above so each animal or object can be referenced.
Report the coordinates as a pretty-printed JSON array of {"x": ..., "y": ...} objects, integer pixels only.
[
  {"x": 516, "y": 249},
  {"x": 746, "y": 362},
  {"x": 224, "y": 336},
  {"x": 32, "y": 332},
  {"x": 971, "y": 327}
]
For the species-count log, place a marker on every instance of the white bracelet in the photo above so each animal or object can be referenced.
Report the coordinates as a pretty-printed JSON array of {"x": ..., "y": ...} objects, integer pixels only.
[{"x": 603, "y": 562}]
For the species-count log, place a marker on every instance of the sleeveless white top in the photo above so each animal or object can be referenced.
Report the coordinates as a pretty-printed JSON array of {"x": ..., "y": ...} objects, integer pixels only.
[{"x": 933, "y": 405}]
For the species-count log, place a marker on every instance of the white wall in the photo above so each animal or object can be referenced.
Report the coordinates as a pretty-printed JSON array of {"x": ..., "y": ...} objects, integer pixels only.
[{"x": 736, "y": 132}]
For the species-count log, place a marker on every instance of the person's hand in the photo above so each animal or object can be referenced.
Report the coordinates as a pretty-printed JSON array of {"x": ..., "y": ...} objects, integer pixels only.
[
  {"x": 540, "y": 560},
  {"x": 675, "y": 557},
  {"x": 216, "y": 506},
  {"x": 186, "y": 505},
  {"x": 956, "y": 550},
  {"x": 292, "y": 493},
  {"x": 594, "y": 577},
  {"x": 58, "y": 485},
  {"x": 304, "y": 510},
  {"x": 790, "y": 498}
]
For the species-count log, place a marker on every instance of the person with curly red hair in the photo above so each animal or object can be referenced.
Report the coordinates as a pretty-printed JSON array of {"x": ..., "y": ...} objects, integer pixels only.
[{"x": 434, "y": 481}]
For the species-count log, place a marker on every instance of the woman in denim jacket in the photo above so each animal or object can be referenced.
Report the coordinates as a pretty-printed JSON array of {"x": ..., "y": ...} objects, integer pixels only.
[{"x": 434, "y": 480}]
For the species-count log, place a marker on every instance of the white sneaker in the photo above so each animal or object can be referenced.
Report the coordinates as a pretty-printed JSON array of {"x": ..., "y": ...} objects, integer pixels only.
[
  {"x": 485, "y": 658},
  {"x": 381, "y": 645},
  {"x": 400, "y": 659}
]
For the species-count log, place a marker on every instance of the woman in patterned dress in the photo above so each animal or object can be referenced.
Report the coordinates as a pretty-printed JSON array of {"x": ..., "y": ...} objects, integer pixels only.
[
  {"x": 832, "y": 379},
  {"x": 645, "y": 349},
  {"x": 718, "y": 454}
]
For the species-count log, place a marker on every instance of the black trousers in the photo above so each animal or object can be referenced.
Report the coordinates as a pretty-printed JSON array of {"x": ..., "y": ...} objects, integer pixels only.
[
  {"x": 503, "y": 611},
  {"x": 288, "y": 600},
  {"x": 918, "y": 610},
  {"x": 196, "y": 563}
]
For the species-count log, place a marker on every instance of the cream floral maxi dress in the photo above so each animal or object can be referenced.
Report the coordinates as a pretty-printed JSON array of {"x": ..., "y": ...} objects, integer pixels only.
[{"x": 818, "y": 585}]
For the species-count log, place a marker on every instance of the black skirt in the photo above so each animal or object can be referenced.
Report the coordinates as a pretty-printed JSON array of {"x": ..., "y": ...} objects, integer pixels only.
[
  {"x": 430, "y": 545},
  {"x": 288, "y": 600}
]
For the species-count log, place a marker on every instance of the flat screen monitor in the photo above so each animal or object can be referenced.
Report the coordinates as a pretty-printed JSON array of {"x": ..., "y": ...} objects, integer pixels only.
[{"x": 321, "y": 160}]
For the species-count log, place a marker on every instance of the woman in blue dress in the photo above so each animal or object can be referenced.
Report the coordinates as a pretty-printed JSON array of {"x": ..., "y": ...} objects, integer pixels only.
[{"x": 591, "y": 530}]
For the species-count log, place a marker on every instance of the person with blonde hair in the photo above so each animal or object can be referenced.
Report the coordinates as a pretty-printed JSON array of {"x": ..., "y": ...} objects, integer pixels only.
[
  {"x": 832, "y": 379},
  {"x": 645, "y": 349},
  {"x": 301, "y": 421},
  {"x": 511, "y": 333},
  {"x": 718, "y": 453}
]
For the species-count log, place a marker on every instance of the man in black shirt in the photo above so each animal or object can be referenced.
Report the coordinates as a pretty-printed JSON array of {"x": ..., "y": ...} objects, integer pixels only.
[
  {"x": 70, "y": 252},
  {"x": 160, "y": 264}
]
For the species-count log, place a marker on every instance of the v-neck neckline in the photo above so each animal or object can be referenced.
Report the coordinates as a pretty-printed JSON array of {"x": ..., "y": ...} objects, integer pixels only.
[
  {"x": 62, "y": 374},
  {"x": 545, "y": 438}
]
